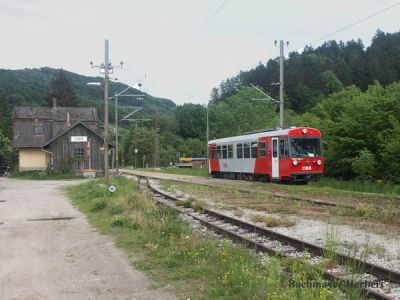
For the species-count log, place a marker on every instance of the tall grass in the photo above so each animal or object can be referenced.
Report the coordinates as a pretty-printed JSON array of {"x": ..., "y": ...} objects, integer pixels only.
[
  {"x": 358, "y": 186},
  {"x": 200, "y": 267}
]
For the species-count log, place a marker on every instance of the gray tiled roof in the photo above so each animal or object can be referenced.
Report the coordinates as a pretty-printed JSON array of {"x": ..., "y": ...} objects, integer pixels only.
[
  {"x": 59, "y": 114},
  {"x": 51, "y": 121}
]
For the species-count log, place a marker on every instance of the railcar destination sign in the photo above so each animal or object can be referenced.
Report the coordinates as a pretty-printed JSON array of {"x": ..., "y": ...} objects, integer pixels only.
[{"x": 78, "y": 139}]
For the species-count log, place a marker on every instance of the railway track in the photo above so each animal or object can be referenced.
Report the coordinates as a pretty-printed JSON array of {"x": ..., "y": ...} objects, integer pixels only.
[
  {"x": 263, "y": 240},
  {"x": 243, "y": 190}
]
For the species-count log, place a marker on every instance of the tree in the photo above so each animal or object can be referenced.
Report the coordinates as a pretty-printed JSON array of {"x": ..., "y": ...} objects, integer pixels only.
[
  {"x": 328, "y": 83},
  {"x": 364, "y": 166},
  {"x": 5, "y": 116},
  {"x": 193, "y": 148},
  {"x": 191, "y": 120},
  {"x": 214, "y": 95},
  {"x": 61, "y": 88},
  {"x": 7, "y": 156}
]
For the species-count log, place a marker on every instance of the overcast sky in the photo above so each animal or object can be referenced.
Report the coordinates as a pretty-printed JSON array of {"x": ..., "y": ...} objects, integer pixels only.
[{"x": 165, "y": 43}]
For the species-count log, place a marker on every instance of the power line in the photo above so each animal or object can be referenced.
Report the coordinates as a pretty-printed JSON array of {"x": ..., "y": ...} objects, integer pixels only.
[
  {"x": 355, "y": 23},
  {"x": 197, "y": 33}
]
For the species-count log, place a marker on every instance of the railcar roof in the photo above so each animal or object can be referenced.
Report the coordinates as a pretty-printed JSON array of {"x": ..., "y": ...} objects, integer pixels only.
[{"x": 255, "y": 136}]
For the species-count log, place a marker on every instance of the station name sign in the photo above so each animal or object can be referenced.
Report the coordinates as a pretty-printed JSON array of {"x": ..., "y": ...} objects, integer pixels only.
[{"x": 78, "y": 139}]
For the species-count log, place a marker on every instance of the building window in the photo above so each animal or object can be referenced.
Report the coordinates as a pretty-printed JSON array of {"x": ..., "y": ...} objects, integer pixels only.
[
  {"x": 246, "y": 148},
  {"x": 254, "y": 149},
  {"x": 283, "y": 148},
  {"x": 39, "y": 130},
  {"x": 230, "y": 151},
  {"x": 263, "y": 149},
  {"x": 239, "y": 150},
  {"x": 79, "y": 153}
]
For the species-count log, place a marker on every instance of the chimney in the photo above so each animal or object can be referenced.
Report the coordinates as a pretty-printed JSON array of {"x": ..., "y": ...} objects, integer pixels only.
[
  {"x": 54, "y": 103},
  {"x": 68, "y": 121}
]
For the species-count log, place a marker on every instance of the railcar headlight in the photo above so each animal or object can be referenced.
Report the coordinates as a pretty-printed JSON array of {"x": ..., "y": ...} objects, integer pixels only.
[
  {"x": 305, "y": 130},
  {"x": 319, "y": 162},
  {"x": 295, "y": 163}
]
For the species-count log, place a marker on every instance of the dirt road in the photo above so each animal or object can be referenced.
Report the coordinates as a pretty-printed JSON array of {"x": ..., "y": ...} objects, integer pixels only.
[{"x": 59, "y": 259}]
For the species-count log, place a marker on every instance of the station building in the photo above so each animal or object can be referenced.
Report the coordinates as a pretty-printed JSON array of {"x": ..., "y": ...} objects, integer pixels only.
[{"x": 58, "y": 138}]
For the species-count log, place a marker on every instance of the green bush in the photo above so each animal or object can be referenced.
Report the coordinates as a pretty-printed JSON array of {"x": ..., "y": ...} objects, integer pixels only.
[
  {"x": 364, "y": 165},
  {"x": 99, "y": 204}
]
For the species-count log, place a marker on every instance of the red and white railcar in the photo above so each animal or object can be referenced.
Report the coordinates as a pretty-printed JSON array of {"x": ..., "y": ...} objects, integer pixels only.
[{"x": 285, "y": 155}]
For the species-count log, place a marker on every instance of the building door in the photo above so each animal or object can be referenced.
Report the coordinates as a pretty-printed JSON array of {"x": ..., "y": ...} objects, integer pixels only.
[
  {"x": 79, "y": 159},
  {"x": 275, "y": 158}
]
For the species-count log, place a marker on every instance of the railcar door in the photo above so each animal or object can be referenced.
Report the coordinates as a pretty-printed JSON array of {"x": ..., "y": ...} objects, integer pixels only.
[{"x": 275, "y": 158}]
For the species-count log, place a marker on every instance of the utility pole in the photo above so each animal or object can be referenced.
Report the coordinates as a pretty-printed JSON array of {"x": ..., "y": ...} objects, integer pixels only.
[
  {"x": 207, "y": 150},
  {"x": 156, "y": 147},
  {"x": 122, "y": 153},
  {"x": 106, "y": 83},
  {"x": 281, "y": 62},
  {"x": 116, "y": 134},
  {"x": 136, "y": 148},
  {"x": 156, "y": 141},
  {"x": 106, "y": 68},
  {"x": 281, "y": 80},
  {"x": 116, "y": 95},
  {"x": 135, "y": 137}
]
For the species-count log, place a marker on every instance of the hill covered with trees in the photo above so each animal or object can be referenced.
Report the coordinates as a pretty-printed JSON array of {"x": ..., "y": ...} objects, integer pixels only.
[
  {"x": 315, "y": 73},
  {"x": 30, "y": 87}
]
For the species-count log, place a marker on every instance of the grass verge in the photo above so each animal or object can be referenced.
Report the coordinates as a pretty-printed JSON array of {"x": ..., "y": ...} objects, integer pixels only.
[
  {"x": 198, "y": 266},
  {"x": 358, "y": 186},
  {"x": 42, "y": 175},
  {"x": 181, "y": 171}
]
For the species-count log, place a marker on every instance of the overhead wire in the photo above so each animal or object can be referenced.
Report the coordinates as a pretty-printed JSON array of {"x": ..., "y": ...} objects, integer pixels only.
[
  {"x": 194, "y": 37},
  {"x": 355, "y": 23}
]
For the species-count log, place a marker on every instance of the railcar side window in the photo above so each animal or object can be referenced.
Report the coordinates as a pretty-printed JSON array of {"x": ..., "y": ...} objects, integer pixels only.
[
  {"x": 224, "y": 152},
  {"x": 219, "y": 152},
  {"x": 230, "y": 151},
  {"x": 283, "y": 148},
  {"x": 254, "y": 149},
  {"x": 274, "y": 148},
  {"x": 212, "y": 152},
  {"x": 239, "y": 150},
  {"x": 246, "y": 150},
  {"x": 263, "y": 149}
]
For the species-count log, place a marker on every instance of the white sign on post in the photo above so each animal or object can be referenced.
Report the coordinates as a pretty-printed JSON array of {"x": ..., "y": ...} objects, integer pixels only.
[{"x": 78, "y": 139}]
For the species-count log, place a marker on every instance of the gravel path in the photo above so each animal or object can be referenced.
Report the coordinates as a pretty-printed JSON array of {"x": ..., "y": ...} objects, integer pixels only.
[{"x": 62, "y": 259}]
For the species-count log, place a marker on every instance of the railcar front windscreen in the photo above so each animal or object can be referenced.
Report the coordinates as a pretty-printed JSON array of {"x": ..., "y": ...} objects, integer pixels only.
[{"x": 305, "y": 147}]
